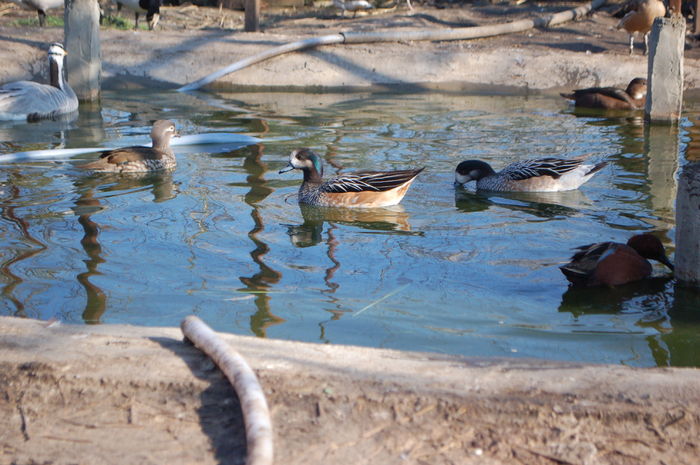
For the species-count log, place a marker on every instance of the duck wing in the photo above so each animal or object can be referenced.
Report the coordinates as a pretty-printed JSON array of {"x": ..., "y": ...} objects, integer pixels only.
[
  {"x": 584, "y": 262},
  {"x": 554, "y": 167},
  {"x": 612, "y": 92},
  {"x": 123, "y": 156},
  {"x": 363, "y": 181},
  {"x": 34, "y": 100}
]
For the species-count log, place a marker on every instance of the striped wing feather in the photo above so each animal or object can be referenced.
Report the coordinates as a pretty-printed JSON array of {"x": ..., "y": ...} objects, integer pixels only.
[
  {"x": 585, "y": 260},
  {"x": 527, "y": 169},
  {"x": 376, "y": 181}
]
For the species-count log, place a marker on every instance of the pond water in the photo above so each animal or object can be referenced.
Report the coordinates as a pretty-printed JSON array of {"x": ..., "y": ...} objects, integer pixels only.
[{"x": 449, "y": 271}]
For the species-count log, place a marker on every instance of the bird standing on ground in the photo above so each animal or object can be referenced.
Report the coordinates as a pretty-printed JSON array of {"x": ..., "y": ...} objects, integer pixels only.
[
  {"x": 150, "y": 7},
  {"x": 32, "y": 101},
  {"x": 41, "y": 6},
  {"x": 614, "y": 264},
  {"x": 538, "y": 175},
  {"x": 363, "y": 189},
  {"x": 140, "y": 159},
  {"x": 612, "y": 98},
  {"x": 640, "y": 18}
]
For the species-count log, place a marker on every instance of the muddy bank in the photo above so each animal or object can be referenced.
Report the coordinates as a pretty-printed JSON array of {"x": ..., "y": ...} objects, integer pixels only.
[
  {"x": 586, "y": 52},
  {"x": 124, "y": 394}
]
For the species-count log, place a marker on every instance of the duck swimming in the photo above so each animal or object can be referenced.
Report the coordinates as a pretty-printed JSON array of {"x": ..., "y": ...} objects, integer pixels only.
[
  {"x": 614, "y": 264},
  {"x": 140, "y": 159},
  {"x": 32, "y": 101},
  {"x": 612, "y": 98},
  {"x": 538, "y": 175},
  {"x": 363, "y": 189}
]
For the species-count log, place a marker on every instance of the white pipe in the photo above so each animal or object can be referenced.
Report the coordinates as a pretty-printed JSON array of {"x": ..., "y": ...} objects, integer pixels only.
[
  {"x": 462, "y": 33},
  {"x": 273, "y": 52},
  {"x": 256, "y": 415},
  {"x": 189, "y": 139}
]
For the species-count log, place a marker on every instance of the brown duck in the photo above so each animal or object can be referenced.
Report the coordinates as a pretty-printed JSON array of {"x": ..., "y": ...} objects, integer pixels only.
[
  {"x": 612, "y": 98},
  {"x": 139, "y": 159}
]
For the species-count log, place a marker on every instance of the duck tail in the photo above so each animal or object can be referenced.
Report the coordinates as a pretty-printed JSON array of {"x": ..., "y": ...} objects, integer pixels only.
[
  {"x": 597, "y": 167},
  {"x": 568, "y": 96}
]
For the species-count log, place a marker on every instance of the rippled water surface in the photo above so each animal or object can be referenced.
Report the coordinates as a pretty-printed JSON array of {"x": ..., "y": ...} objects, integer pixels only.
[{"x": 447, "y": 271}]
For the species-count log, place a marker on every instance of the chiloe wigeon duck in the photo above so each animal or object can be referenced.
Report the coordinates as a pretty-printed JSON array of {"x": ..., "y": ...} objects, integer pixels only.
[
  {"x": 139, "y": 159},
  {"x": 363, "y": 189},
  {"x": 32, "y": 101},
  {"x": 612, "y": 98},
  {"x": 640, "y": 18},
  {"x": 614, "y": 264},
  {"x": 538, "y": 175}
]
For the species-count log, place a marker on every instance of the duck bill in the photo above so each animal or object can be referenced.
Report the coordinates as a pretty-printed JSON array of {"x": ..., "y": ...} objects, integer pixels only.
[
  {"x": 286, "y": 169},
  {"x": 667, "y": 262}
]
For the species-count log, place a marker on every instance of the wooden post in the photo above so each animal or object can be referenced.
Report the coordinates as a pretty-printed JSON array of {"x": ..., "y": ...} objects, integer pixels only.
[
  {"x": 665, "y": 70},
  {"x": 688, "y": 226},
  {"x": 82, "y": 36},
  {"x": 252, "y": 15}
]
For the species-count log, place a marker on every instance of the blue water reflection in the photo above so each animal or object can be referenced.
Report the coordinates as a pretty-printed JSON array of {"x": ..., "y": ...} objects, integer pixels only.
[{"x": 449, "y": 270}]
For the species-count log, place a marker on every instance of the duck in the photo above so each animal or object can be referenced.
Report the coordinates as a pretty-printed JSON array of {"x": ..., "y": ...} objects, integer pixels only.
[
  {"x": 612, "y": 98},
  {"x": 150, "y": 7},
  {"x": 363, "y": 189},
  {"x": 537, "y": 175},
  {"x": 41, "y": 6},
  {"x": 614, "y": 264},
  {"x": 139, "y": 159},
  {"x": 639, "y": 18},
  {"x": 33, "y": 101}
]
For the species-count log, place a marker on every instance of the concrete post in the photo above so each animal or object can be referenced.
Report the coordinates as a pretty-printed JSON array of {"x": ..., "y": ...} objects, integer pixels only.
[
  {"x": 665, "y": 70},
  {"x": 252, "y": 15},
  {"x": 688, "y": 226},
  {"x": 82, "y": 36},
  {"x": 661, "y": 147}
]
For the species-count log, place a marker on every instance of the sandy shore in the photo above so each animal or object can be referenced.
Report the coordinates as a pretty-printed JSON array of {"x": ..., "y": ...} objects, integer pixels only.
[{"x": 132, "y": 395}]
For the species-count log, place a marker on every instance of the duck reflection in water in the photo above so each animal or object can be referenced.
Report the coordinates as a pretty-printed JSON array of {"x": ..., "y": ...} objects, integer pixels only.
[
  {"x": 650, "y": 297},
  {"x": 161, "y": 184},
  {"x": 392, "y": 219},
  {"x": 539, "y": 204}
]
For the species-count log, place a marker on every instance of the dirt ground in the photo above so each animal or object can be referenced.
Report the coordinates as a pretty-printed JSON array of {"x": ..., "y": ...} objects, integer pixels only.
[
  {"x": 192, "y": 42},
  {"x": 130, "y": 395}
]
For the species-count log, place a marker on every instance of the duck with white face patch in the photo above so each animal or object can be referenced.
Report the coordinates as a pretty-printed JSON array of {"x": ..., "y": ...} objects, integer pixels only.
[
  {"x": 538, "y": 175},
  {"x": 364, "y": 189}
]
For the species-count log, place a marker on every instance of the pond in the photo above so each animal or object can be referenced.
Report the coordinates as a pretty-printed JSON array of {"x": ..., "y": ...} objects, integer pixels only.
[{"x": 450, "y": 271}]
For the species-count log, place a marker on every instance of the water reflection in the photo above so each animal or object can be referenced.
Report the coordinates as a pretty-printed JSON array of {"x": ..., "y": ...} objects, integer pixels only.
[
  {"x": 648, "y": 297},
  {"x": 30, "y": 246},
  {"x": 262, "y": 281},
  {"x": 161, "y": 186},
  {"x": 545, "y": 205}
]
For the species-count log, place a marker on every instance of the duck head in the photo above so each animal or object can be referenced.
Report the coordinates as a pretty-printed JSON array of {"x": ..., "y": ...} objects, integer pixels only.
[
  {"x": 161, "y": 133},
  {"x": 637, "y": 88},
  {"x": 471, "y": 170},
  {"x": 650, "y": 247},
  {"x": 306, "y": 160}
]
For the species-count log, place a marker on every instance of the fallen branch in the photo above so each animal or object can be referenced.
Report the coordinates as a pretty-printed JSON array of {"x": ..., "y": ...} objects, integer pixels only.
[
  {"x": 256, "y": 415},
  {"x": 461, "y": 33}
]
